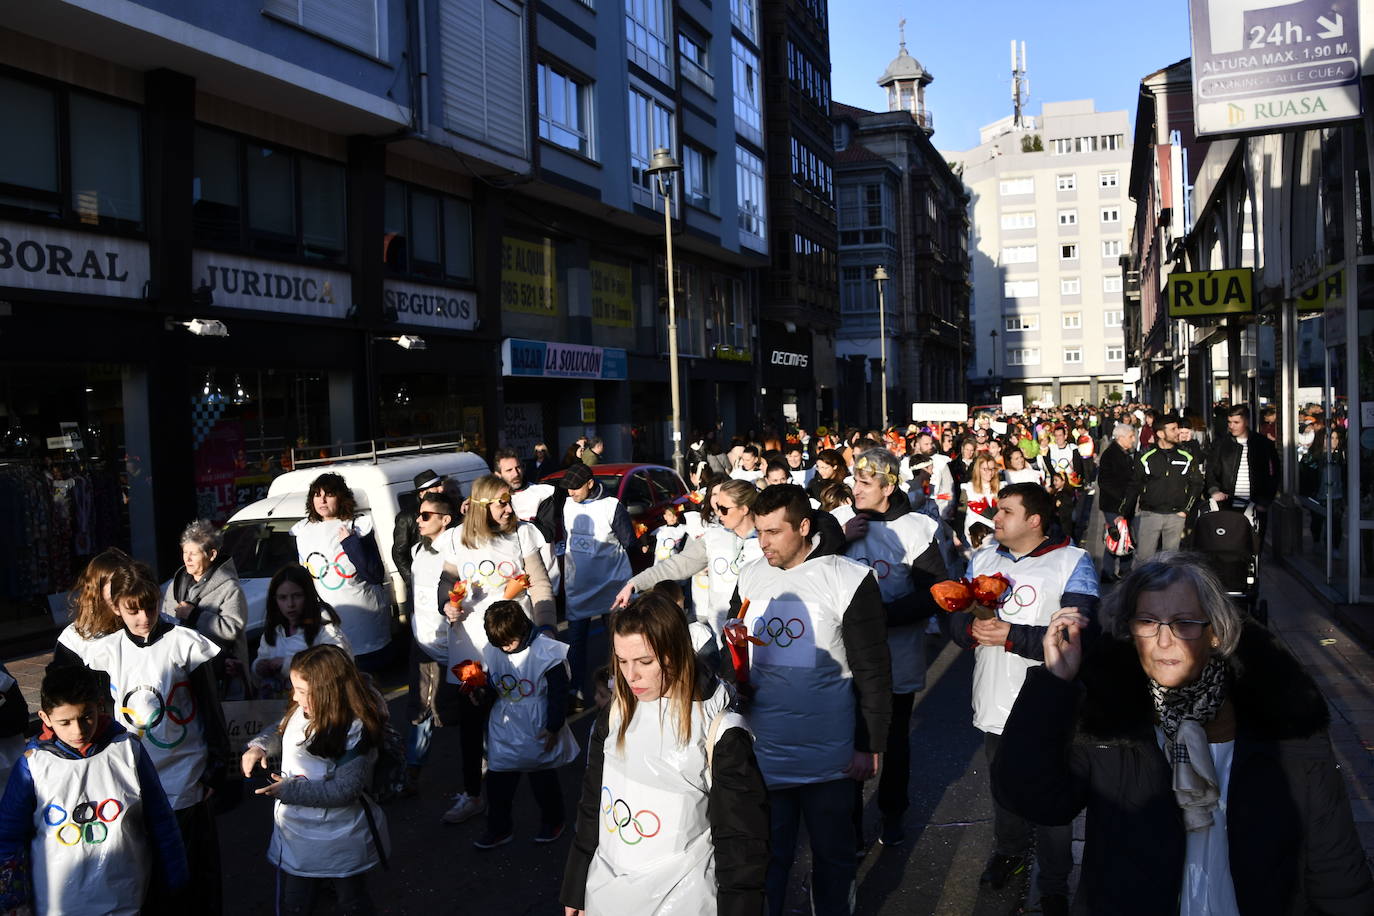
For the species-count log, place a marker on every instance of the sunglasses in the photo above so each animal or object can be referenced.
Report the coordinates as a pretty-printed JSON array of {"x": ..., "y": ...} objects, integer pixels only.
[
  {"x": 426, "y": 516},
  {"x": 724, "y": 509}
]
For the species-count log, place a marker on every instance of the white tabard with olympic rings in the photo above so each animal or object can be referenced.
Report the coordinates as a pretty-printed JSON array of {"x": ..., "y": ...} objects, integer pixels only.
[{"x": 784, "y": 627}]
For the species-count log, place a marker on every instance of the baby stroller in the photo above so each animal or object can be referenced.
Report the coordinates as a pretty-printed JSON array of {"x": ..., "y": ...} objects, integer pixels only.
[{"x": 1229, "y": 536}]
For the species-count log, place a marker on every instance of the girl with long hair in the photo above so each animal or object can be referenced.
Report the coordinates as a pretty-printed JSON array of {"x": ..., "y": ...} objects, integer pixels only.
[
  {"x": 296, "y": 619},
  {"x": 978, "y": 496},
  {"x": 674, "y": 814},
  {"x": 325, "y": 829},
  {"x": 491, "y": 557},
  {"x": 88, "y": 603},
  {"x": 338, "y": 546}
]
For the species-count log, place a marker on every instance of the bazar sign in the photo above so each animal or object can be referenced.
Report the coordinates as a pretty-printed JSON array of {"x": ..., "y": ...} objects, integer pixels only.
[
  {"x": 35, "y": 257},
  {"x": 431, "y": 306},
  {"x": 944, "y": 412},
  {"x": 1213, "y": 292},
  {"x": 268, "y": 286},
  {"x": 1259, "y": 65},
  {"x": 548, "y": 359}
]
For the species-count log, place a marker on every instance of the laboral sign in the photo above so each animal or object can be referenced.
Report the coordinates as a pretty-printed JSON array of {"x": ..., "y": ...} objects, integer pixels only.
[
  {"x": 36, "y": 257},
  {"x": 1265, "y": 65},
  {"x": 1213, "y": 292},
  {"x": 269, "y": 286},
  {"x": 549, "y": 359}
]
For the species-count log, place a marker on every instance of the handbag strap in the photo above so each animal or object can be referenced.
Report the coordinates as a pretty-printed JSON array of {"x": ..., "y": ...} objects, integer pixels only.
[
  {"x": 711, "y": 732},
  {"x": 372, "y": 828}
]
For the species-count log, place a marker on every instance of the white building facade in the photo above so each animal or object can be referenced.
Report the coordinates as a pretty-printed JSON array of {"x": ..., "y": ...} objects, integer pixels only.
[{"x": 1050, "y": 218}]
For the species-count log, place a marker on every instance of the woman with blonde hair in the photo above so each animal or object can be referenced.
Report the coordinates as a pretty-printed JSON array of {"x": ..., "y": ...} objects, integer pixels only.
[
  {"x": 674, "y": 813},
  {"x": 88, "y": 603},
  {"x": 978, "y": 496},
  {"x": 325, "y": 830},
  {"x": 490, "y": 557}
]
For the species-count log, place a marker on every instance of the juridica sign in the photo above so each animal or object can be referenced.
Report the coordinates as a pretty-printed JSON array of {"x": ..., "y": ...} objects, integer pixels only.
[{"x": 1213, "y": 292}]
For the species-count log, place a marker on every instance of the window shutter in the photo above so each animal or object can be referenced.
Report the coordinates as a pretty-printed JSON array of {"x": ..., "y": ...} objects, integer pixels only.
[
  {"x": 349, "y": 22},
  {"x": 484, "y": 76}
]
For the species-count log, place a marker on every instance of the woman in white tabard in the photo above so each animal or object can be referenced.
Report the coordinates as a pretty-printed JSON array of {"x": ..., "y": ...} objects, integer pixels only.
[
  {"x": 339, "y": 548},
  {"x": 490, "y": 556}
]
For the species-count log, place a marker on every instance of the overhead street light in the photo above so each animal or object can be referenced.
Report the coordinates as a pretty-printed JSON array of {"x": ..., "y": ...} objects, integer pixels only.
[
  {"x": 201, "y": 327},
  {"x": 662, "y": 167},
  {"x": 408, "y": 342}
]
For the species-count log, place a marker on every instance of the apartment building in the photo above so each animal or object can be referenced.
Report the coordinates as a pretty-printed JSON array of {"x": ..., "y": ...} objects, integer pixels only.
[{"x": 1050, "y": 219}]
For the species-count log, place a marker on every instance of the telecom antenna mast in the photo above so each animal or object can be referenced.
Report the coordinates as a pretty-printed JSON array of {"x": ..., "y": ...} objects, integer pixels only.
[{"x": 1020, "y": 83}]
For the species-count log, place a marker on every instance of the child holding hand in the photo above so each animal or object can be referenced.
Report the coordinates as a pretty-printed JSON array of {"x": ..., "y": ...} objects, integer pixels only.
[{"x": 526, "y": 732}]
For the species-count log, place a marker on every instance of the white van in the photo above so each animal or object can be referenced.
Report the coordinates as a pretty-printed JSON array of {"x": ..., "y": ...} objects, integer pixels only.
[{"x": 258, "y": 536}]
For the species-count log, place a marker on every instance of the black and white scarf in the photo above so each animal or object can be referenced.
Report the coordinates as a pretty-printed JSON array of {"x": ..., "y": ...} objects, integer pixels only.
[{"x": 1182, "y": 713}]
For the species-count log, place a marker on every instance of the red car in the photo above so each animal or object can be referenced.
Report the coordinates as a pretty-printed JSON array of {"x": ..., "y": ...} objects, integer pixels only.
[{"x": 644, "y": 489}]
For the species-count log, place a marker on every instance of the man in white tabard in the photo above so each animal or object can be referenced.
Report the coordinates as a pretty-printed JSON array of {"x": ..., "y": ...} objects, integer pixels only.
[
  {"x": 750, "y": 465},
  {"x": 941, "y": 480},
  {"x": 537, "y": 503},
  {"x": 1045, "y": 575},
  {"x": 817, "y": 689},
  {"x": 794, "y": 455}
]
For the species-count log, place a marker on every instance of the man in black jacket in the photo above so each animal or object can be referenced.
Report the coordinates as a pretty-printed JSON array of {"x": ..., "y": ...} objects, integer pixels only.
[
  {"x": 1243, "y": 468},
  {"x": 1113, "y": 483},
  {"x": 406, "y": 533},
  {"x": 1167, "y": 480}
]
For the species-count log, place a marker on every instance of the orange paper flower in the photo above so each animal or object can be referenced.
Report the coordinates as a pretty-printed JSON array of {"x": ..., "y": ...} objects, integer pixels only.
[
  {"x": 952, "y": 594},
  {"x": 516, "y": 585},
  {"x": 458, "y": 593},
  {"x": 470, "y": 675},
  {"x": 988, "y": 590}
]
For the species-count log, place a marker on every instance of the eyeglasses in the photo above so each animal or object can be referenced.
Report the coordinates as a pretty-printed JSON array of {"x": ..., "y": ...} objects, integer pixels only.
[
  {"x": 504, "y": 500},
  {"x": 723, "y": 509},
  {"x": 1148, "y": 627},
  {"x": 426, "y": 516}
]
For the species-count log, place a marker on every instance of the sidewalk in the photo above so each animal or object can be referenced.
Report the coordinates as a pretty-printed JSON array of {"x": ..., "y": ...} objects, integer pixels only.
[{"x": 1343, "y": 670}]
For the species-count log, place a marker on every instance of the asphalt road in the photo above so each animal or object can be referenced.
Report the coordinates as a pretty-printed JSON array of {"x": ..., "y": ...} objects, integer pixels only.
[{"x": 435, "y": 870}]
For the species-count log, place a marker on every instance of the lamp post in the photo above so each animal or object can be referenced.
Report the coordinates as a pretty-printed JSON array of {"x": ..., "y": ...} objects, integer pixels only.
[
  {"x": 993, "y": 370},
  {"x": 661, "y": 167},
  {"x": 880, "y": 277}
]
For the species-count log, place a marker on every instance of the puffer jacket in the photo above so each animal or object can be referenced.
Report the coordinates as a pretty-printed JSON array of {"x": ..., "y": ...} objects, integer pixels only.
[{"x": 221, "y": 610}]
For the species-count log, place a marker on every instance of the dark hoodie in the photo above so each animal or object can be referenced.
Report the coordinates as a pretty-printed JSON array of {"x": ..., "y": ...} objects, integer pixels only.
[
  {"x": 926, "y": 570},
  {"x": 159, "y": 822}
]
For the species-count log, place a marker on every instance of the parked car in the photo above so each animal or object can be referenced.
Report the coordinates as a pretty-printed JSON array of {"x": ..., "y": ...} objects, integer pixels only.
[
  {"x": 258, "y": 536},
  {"x": 644, "y": 489}
]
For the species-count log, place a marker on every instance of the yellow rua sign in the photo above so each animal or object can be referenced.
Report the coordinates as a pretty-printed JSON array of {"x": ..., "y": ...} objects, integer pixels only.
[{"x": 1212, "y": 292}]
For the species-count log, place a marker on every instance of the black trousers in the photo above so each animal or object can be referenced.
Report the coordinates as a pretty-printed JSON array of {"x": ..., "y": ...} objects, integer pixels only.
[
  {"x": 895, "y": 775},
  {"x": 548, "y": 794},
  {"x": 298, "y": 894},
  {"x": 204, "y": 892}
]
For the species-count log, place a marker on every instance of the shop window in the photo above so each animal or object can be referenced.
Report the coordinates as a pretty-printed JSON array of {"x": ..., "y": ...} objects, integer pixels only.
[
  {"x": 101, "y": 148},
  {"x": 426, "y": 234},
  {"x": 267, "y": 200}
]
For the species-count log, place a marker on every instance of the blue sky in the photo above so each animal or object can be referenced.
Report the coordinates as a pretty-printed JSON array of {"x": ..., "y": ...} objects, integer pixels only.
[{"x": 1075, "y": 49}]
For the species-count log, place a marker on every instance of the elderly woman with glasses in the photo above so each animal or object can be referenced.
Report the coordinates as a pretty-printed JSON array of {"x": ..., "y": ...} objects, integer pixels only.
[
  {"x": 205, "y": 594},
  {"x": 1199, "y": 748}
]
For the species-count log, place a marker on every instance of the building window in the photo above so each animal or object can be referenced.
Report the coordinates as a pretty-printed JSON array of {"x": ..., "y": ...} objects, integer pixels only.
[
  {"x": 1111, "y": 248},
  {"x": 1073, "y": 355},
  {"x": 808, "y": 77},
  {"x": 1111, "y": 214},
  {"x": 858, "y": 291},
  {"x": 1014, "y": 323},
  {"x": 1020, "y": 289},
  {"x": 1018, "y": 254},
  {"x": 753, "y": 194},
  {"x": 1111, "y": 284},
  {"x": 1068, "y": 252},
  {"x": 1068, "y": 217},
  {"x": 1023, "y": 220},
  {"x": 565, "y": 110},
  {"x": 104, "y": 143},
  {"x": 698, "y": 166},
  {"x": 426, "y": 234},
  {"x": 267, "y": 200},
  {"x": 748, "y": 91},
  {"x": 352, "y": 23},
  {"x": 1116, "y": 353},
  {"x": 1023, "y": 356},
  {"x": 651, "y": 127},
  {"x": 695, "y": 62},
  {"x": 1066, "y": 182},
  {"x": 1064, "y": 146},
  {"x": 1070, "y": 321},
  {"x": 865, "y": 216},
  {"x": 1010, "y": 186},
  {"x": 647, "y": 30},
  {"x": 1070, "y": 286},
  {"x": 744, "y": 15},
  {"x": 1108, "y": 179},
  {"x": 1112, "y": 318}
]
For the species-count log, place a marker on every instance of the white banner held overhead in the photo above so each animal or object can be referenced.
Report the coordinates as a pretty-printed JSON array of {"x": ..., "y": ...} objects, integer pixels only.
[{"x": 942, "y": 412}]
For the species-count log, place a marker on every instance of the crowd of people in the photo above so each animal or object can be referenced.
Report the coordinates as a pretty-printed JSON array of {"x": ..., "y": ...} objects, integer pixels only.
[{"x": 763, "y": 668}]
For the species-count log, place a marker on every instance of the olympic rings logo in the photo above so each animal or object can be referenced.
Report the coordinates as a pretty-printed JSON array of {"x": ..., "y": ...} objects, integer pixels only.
[
  {"x": 581, "y": 543},
  {"x": 616, "y": 817},
  {"x": 147, "y": 715},
  {"x": 513, "y": 688},
  {"x": 723, "y": 567},
  {"x": 488, "y": 573},
  {"x": 881, "y": 568},
  {"x": 778, "y": 632},
  {"x": 330, "y": 574},
  {"x": 1023, "y": 596},
  {"x": 89, "y": 821}
]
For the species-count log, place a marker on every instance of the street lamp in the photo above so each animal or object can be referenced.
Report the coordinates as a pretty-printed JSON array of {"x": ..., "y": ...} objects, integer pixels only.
[
  {"x": 661, "y": 167},
  {"x": 880, "y": 277},
  {"x": 993, "y": 370}
]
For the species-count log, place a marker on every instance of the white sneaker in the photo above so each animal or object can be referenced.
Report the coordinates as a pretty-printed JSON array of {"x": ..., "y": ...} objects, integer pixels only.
[{"x": 464, "y": 807}]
